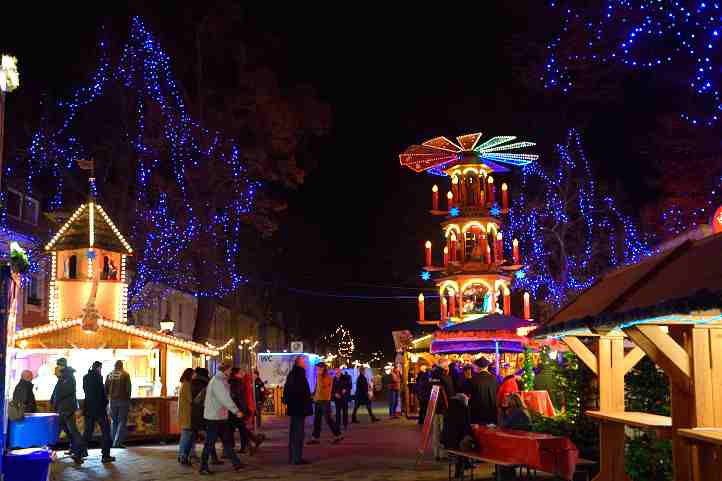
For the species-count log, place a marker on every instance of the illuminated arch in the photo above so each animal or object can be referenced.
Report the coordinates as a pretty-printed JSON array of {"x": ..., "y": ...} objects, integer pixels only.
[
  {"x": 451, "y": 227},
  {"x": 475, "y": 281},
  {"x": 470, "y": 169},
  {"x": 446, "y": 284},
  {"x": 491, "y": 226},
  {"x": 473, "y": 223}
]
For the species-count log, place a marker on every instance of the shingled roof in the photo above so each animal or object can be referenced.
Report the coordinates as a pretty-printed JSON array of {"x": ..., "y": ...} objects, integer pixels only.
[
  {"x": 684, "y": 279},
  {"x": 89, "y": 226}
]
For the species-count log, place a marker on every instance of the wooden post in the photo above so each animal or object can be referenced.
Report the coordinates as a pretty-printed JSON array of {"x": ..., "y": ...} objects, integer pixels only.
[
  {"x": 610, "y": 355},
  {"x": 163, "y": 369}
]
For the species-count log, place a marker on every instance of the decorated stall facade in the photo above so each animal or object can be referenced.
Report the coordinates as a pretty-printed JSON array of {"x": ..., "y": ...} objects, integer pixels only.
[
  {"x": 670, "y": 307},
  {"x": 87, "y": 321},
  {"x": 478, "y": 265}
]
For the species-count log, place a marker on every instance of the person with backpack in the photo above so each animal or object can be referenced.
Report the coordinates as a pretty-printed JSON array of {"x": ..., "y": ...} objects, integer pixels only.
[
  {"x": 95, "y": 410},
  {"x": 118, "y": 389},
  {"x": 217, "y": 404}
]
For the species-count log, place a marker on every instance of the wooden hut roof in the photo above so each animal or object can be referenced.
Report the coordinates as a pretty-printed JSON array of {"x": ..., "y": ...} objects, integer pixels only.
[
  {"x": 89, "y": 226},
  {"x": 73, "y": 327},
  {"x": 686, "y": 279}
]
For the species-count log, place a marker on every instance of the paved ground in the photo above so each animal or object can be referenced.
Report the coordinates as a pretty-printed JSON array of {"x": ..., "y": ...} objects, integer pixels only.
[{"x": 370, "y": 452}]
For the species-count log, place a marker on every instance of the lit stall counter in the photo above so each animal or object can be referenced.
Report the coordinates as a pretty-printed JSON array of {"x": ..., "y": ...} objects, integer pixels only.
[{"x": 154, "y": 361}]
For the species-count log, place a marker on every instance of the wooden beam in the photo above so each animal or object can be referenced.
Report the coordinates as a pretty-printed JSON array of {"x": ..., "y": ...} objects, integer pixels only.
[
  {"x": 632, "y": 358},
  {"x": 583, "y": 352},
  {"x": 664, "y": 351}
]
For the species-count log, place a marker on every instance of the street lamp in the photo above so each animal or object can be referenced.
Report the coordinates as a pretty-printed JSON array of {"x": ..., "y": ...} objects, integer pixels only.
[{"x": 9, "y": 81}]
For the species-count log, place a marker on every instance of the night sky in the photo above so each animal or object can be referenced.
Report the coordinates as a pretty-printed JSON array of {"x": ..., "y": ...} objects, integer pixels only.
[{"x": 357, "y": 225}]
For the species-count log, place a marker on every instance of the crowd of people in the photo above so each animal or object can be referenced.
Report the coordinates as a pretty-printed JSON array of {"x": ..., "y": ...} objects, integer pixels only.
[
  {"x": 106, "y": 404},
  {"x": 468, "y": 395},
  {"x": 301, "y": 403}
]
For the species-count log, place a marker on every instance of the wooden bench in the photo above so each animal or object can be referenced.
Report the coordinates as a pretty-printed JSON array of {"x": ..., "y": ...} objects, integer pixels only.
[{"x": 474, "y": 457}]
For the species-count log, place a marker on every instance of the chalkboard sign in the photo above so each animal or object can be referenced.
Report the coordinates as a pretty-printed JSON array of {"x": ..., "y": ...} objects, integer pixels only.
[{"x": 433, "y": 398}]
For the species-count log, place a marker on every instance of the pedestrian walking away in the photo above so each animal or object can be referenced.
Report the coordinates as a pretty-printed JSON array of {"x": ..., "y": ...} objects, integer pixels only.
[
  {"x": 363, "y": 396},
  {"x": 299, "y": 404},
  {"x": 217, "y": 404},
  {"x": 65, "y": 402},
  {"x": 260, "y": 395},
  {"x": 394, "y": 389},
  {"x": 322, "y": 405},
  {"x": 118, "y": 387},
  {"x": 442, "y": 376},
  {"x": 95, "y": 410},
  {"x": 341, "y": 391},
  {"x": 423, "y": 391},
  {"x": 483, "y": 388}
]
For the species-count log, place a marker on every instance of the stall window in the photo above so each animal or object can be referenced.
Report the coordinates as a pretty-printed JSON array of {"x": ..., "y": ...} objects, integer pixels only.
[
  {"x": 34, "y": 291},
  {"x": 15, "y": 204},
  {"x": 30, "y": 210},
  {"x": 73, "y": 267}
]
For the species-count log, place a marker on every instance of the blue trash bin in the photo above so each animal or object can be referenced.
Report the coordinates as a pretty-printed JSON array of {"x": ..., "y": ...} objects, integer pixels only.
[
  {"x": 35, "y": 430},
  {"x": 31, "y": 464}
]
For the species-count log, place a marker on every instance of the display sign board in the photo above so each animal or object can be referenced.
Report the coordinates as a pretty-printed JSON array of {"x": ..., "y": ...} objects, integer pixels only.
[
  {"x": 426, "y": 431},
  {"x": 402, "y": 339},
  {"x": 273, "y": 367}
]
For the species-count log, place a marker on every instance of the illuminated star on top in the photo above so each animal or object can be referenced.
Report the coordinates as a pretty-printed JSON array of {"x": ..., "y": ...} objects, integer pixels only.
[
  {"x": 495, "y": 210},
  {"x": 454, "y": 212},
  {"x": 520, "y": 274},
  {"x": 425, "y": 275}
]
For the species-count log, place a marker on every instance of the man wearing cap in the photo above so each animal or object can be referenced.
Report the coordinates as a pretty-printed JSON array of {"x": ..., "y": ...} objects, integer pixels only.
[
  {"x": 95, "y": 409},
  {"x": 65, "y": 403},
  {"x": 482, "y": 402},
  {"x": 217, "y": 404}
]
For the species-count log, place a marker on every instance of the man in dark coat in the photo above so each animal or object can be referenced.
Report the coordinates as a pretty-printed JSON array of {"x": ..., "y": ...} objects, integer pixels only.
[
  {"x": 482, "y": 405},
  {"x": 299, "y": 404},
  {"x": 95, "y": 409},
  {"x": 442, "y": 377},
  {"x": 341, "y": 392},
  {"x": 423, "y": 390},
  {"x": 361, "y": 396},
  {"x": 65, "y": 403},
  {"x": 23, "y": 392}
]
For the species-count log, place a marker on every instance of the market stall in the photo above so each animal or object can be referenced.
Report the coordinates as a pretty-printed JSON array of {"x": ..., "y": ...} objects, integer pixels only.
[{"x": 87, "y": 322}]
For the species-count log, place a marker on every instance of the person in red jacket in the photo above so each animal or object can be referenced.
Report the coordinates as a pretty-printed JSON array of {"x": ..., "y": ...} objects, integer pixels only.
[{"x": 507, "y": 387}]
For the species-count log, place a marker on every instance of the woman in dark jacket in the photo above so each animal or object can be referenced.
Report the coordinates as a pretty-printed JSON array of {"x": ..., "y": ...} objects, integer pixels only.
[
  {"x": 299, "y": 404},
  {"x": 198, "y": 385},
  {"x": 95, "y": 410},
  {"x": 361, "y": 397}
]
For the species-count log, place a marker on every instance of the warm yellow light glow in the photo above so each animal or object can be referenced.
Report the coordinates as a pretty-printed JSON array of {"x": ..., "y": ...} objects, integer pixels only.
[
  {"x": 490, "y": 180},
  {"x": 448, "y": 284},
  {"x": 421, "y": 298},
  {"x": 515, "y": 242},
  {"x": 435, "y": 188},
  {"x": 473, "y": 223},
  {"x": 504, "y": 186},
  {"x": 475, "y": 281},
  {"x": 422, "y": 338},
  {"x": 428, "y": 244},
  {"x": 498, "y": 236},
  {"x": 91, "y": 227},
  {"x": 454, "y": 180},
  {"x": 446, "y": 250},
  {"x": 9, "y": 77}
]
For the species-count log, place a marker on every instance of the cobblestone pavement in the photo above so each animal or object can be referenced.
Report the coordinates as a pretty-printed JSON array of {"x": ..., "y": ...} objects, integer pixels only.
[{"x": 373, "y": 452}]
